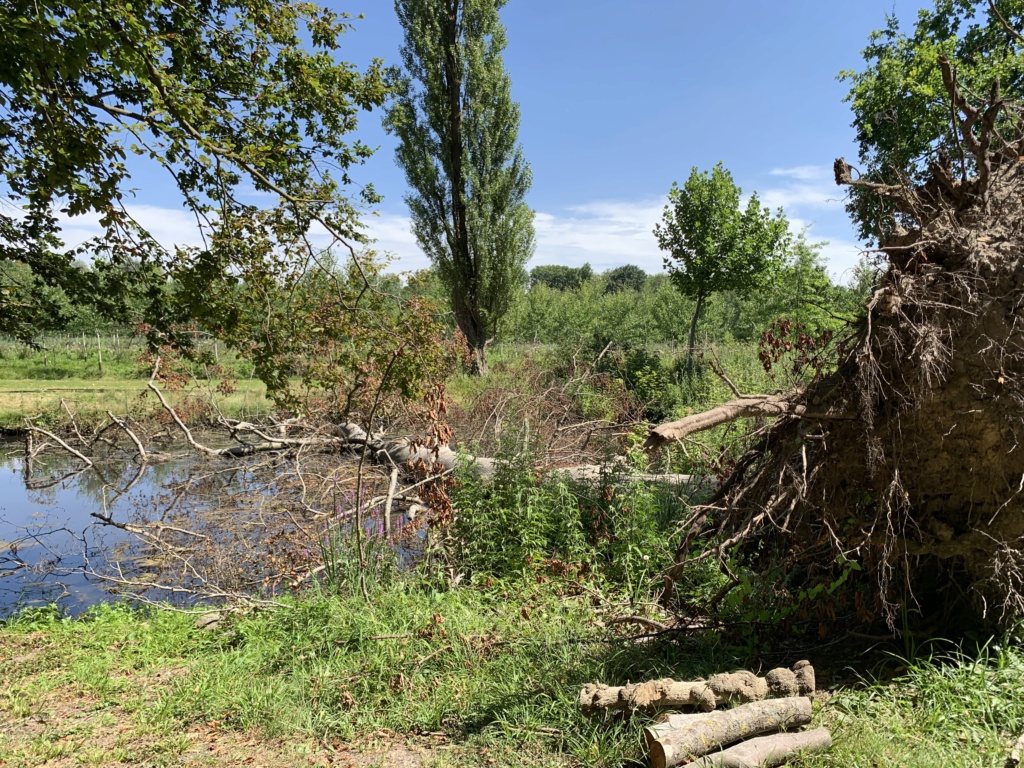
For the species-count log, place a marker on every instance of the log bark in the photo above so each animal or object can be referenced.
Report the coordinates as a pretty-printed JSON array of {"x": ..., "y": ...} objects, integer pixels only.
[
  {"x": 684, "y": 738},
  {"x": 726, "y": 688},
  {"x": 767, "y": 751},
  {"x": 1014, "y": 758},
  {"x": 745, "y": 406}
]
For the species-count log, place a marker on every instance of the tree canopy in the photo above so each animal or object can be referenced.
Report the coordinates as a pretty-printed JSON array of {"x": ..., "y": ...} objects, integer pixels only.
[
  {"x": 226, "y": 95},
  {"x": 714, "y": 243},
  {"x": 559, "y": 277},
  {"x": 628, "y": 277},
  {"x": 458, "y": 130},
  {"x": 247, "y": 108},
  {"x": 902, "y": 110}
]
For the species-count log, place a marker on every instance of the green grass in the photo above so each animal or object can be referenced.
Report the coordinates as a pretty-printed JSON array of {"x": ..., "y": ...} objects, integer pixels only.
[
  {"x": 33, "y": 382},
  {"x": 464, "y": 666},
  {"x": 89, "y": 399},
  {"x": 462, "y": 663},
  {"x": 952, "y": 709}
]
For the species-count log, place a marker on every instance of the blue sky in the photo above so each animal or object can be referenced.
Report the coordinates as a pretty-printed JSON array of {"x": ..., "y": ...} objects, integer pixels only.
[{"x": 620, "y": 99}]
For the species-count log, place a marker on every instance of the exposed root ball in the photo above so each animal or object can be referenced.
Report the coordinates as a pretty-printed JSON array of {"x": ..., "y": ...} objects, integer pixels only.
[{"x": 923, "y": 488}]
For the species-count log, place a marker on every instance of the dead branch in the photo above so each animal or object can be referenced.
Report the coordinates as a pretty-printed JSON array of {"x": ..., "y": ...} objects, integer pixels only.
[
  {"x": 134, "y": 438},
  {"x": 747, "y": 406},
  {"x": 31, "y": 428}
]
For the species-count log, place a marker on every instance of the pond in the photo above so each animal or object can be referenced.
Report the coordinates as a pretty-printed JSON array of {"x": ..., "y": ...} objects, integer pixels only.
[{"x": 185, "y": 530}]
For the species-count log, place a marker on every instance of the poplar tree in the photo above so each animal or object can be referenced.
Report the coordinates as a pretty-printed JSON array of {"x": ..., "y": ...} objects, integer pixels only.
[{"x": 458, "y": 145}]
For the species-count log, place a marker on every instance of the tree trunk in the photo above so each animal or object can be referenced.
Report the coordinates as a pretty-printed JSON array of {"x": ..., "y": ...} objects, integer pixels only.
[
  {"x": 685, "y": 737},
  {"x": 691, "y": 344},
  {"x": 767, "y": 751},
  {"x": 479, "y": 350},
  {"x": 725, "y": 688}
]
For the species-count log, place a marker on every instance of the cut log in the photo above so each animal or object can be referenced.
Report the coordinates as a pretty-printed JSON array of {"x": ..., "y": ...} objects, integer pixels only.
[
  {"x": 1014, "y": 758},
  {"x": 647, "y": 697},
  {"x": 726, "y": 688},
  {"x": 683, "y": 739},
  {"x": 767, "y": 751}
]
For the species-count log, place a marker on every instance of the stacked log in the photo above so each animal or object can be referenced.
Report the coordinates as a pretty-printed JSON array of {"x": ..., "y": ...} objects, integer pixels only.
[{"x": 722, "y": 738}]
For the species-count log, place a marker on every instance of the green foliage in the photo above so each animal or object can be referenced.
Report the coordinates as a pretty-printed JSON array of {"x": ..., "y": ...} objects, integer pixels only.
[
  {"x": 457, "y": 127},
  {"x": 28, "y": 304},
  {"x": 800, "y": 290},
  {"x": 615, "y": 531},
  {"x": 559, "y": 277},
  {"x": 507, "y": 524},
  {"x": 328, "y": 336},
  {"x": 345, "y": 571},
  {"x": 225, "y": 95},
  {"x": 713, "y": 244},
  {"x": 627, "y": 277},
  {"x": 591, "y": 316},
  {"x": 901, "y": 108},
  {"x": 643, "y": 374}
]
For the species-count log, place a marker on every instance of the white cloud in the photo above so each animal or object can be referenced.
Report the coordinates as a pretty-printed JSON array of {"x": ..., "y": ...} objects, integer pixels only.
[
  {"x": 603, "y": 233},
  {"x": 803, "y": 172},
  {"x": 169, "y": 226}
]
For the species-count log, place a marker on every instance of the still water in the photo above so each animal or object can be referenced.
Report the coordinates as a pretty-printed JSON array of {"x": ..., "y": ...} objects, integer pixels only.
[
  {"x": 50, "y": 538},
  {"x": 187, "y": 530}
]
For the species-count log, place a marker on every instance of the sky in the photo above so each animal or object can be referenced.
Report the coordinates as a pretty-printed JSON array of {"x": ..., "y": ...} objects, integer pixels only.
[{"x": 619, "y": 100}]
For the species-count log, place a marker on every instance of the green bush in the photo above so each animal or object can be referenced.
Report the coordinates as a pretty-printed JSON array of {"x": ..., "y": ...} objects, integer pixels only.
[
  {"x": 614, "y": 530},
  {"x": 512, "y": 522}
]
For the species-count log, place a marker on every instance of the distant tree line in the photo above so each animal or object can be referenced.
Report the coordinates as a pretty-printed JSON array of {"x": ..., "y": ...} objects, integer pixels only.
[{"x": 627, "y": 306}]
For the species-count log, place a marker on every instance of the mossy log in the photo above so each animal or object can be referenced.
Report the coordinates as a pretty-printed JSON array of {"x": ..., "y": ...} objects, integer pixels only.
[{"x": 705, "y": 695}]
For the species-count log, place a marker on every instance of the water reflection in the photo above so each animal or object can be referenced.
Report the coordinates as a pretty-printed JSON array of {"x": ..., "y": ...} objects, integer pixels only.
[
  {"x": 219, "y": 528},
  {"x": 49, "y": 538}
]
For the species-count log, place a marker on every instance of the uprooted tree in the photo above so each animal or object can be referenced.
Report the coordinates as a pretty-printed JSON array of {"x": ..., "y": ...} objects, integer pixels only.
[{"x": 899, "y": 472}]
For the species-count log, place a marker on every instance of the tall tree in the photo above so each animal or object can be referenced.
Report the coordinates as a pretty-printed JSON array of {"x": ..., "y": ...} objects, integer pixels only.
[
  {"x": 458, "y": 128},
  {"x": 713, "y": 243}
]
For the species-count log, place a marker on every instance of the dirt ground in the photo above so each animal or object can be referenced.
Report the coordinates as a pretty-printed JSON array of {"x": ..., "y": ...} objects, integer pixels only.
[
  {"x": 67, "y": 727},
  {"x": 67, "y": 730}
]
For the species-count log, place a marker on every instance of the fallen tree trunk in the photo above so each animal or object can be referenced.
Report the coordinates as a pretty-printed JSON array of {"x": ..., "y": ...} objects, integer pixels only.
[
  {"x": 685, "y": 737},
  {"x": 767, "y": 751},
  {"x": 744, "y": 407},
  {"x": 725, "y": 688}
]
